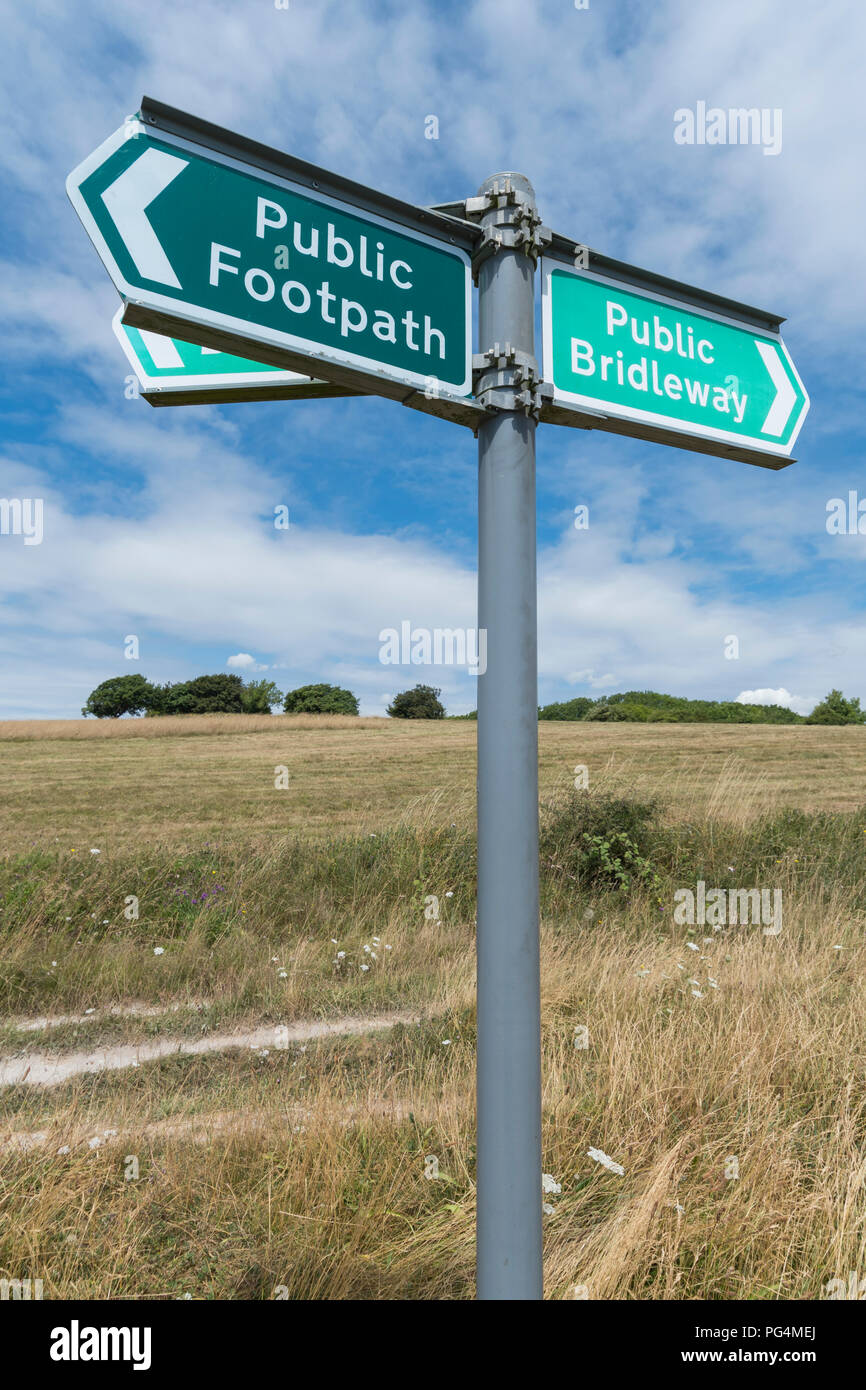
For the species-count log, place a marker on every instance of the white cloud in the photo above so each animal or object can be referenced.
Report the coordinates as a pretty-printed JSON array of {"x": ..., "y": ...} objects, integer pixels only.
[
  {"x": 242, "y": 661},
  {"x": 776, "y": 697}
]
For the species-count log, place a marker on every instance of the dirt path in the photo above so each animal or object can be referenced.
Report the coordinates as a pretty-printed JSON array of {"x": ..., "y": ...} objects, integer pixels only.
[{"x": 43, "y": 1069}]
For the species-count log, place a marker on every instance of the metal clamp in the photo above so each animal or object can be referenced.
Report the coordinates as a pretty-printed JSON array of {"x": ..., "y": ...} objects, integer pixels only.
[{"x": 506, "y": 378}]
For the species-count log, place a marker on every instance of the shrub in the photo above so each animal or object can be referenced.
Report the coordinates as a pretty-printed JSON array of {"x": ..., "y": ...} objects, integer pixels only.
[
  {"x": 120, "y": 695},
  {"x": 320, "y": 699},
  {"x": 422, "y": 702}
]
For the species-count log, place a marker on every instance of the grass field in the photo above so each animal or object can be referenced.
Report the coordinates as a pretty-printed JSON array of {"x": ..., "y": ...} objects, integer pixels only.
[{"x": 219, "y": 909}]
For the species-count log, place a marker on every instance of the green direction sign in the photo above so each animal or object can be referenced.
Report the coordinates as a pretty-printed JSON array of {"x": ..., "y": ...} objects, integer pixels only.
[
  {"x": 202, "y": 240},
  {"x": 173, "y": 372},
  {"x": 659, "y": 367}
]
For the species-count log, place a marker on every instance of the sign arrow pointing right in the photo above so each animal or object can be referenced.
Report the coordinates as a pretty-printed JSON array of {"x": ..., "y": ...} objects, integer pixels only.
[
  {"x": 126, "y": 200},
  {"x": 780, "y": 410}
]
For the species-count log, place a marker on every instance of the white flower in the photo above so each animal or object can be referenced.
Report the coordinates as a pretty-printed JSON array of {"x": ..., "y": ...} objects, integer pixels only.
[
  {"x": 95, "y": 851},
  {"x": 549, "y": 1183},
  {"x": 282, "y": 974},
  {"x": 691, "y": 946},
  {"x": 89, "y": 1011},
  {"x": 94, "y": 1143},
  {"x": 449, "y": 894},
  {"x": 387, "y": 948},
  {"x": 641, "y": 973},
  {"x": 334, "y": 941},
  {"x": 548, "y": 1209},
  {"x": 64, "y": 1149},
  {"x": 835, "y": 948},
  {"x": 341, "y": 955},
  {"x": 606, "y": 1162},
  {"x": 159, "y": 950},
  {"x": 446, "y": 1042},
  {"x": 275, "y": 960},
  {"x": 365, "y": 967},
  {"x": 376, "y": 940},
  {"x": 696, "y": 994},
  {"x": 367, "y": 950},
  {"x": 54, "y": 962},
  {"x": 264, "y": 1052},
  {"x": 373, "y": 955}
]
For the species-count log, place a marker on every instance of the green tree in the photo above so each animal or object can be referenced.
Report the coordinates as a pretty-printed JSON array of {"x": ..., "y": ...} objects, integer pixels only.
[
  {"x": 120, "y": 695},
  {"x": 835, "y": 709},
  {"x": 320, "y": 699},
  {"x": 260, "y": 696},
  {"x": 219, "y": 694},
  {"x": 422, "y": 702}
]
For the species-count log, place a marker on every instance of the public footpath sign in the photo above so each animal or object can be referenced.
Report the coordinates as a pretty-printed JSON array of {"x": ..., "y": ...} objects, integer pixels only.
[
  {"x": 173, "y": 372},
  {"x": 201, "y": 239},
  {"x": 647, "y": 360}
]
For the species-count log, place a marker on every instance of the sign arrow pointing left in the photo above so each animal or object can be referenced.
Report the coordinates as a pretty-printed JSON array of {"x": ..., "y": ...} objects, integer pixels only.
[{"x": 127, "y": 200}]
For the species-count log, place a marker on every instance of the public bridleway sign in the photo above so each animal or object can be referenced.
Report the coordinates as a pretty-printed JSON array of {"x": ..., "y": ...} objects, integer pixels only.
[
  {"x": 252, "y": 260},
  {"x": 648, "y": 360}
]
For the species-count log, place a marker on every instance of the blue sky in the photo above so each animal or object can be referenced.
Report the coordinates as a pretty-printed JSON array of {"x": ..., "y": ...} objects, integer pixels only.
[{"x": 159, "y": 523}]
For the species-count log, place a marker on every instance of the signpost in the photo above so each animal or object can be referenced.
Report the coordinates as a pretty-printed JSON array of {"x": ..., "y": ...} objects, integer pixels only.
[
  {"x": 220, "y": 242},
  {"x": 172, "y": 372},
  {"x": 662, "y": 368}
]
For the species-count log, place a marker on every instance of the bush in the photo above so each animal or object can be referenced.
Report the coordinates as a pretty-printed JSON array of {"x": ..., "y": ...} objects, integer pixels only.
[
  {"x": 837, "y": 710},
  {"x": 121, "y": 695},
  {"x": 601, "y": 841},
  {"x": 422, "y": 702},
  {"x": 219, "y": 694},
  {"x": 320, "y": 699},
  {"x": 259, "y": 697}
]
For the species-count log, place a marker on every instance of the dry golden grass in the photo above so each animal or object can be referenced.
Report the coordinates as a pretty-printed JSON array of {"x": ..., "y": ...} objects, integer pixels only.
[
  {"x": 304, "y": 1171},
  {"x": 99, "y": 782}
]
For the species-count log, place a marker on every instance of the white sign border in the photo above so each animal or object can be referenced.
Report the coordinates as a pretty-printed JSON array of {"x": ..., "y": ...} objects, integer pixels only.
[
  {"x": 593, "y": 405},
  {"x": 242, "y": 327}
]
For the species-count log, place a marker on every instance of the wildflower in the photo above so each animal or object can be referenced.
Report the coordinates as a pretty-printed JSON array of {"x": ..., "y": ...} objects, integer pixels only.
[
  {"x": 606, "y": 1162},
  {"x": 94, "y": 1143},
  {"x": 367, "y": 950},
  {"x": 837, "y": 948},
  {"x": 89, "y": 1011},
  {"x": 159, "y": 950},
  {"x": 341, "y": 955},
  {"x": 387, "y": 948},
  {"x": 548, "y": 1209},
  {"x": 446, "y": 1042},
  {"x": 549, "y": 1184},
  {"x": 692, "y": 947},
  {"x": 282, "y": 974},
  {"x": 365, "y": 968},
  {"x": 641, "y": 973},
  {"x": 264, "y": 1052},
  {"x": 334, "y": 941},
  {"x": 696, "y": 993},
  {"x": 64, "y": 1149},
  {"x": 54, "y": 962},
  {"x": 95, "y": 851},
  {"x": 275, "y": 960},
  {"x": 449, "y": 894}
]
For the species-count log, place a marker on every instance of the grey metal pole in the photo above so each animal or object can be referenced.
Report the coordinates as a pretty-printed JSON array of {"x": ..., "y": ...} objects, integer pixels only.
[{"x": 509, "y": 1014}]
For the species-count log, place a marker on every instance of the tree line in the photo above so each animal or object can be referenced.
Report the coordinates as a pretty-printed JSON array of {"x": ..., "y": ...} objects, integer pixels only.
[{"x": 229, "y": 694}]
